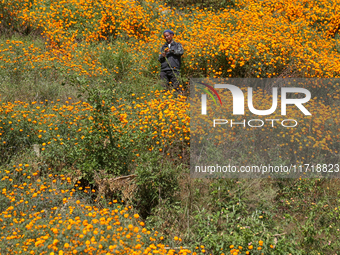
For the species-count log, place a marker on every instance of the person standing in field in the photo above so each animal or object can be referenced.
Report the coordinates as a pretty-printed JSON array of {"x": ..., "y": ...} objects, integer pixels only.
[{"x": 170, "y": 59}]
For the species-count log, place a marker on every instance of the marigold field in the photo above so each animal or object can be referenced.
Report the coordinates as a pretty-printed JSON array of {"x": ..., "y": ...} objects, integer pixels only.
[{"x": 94, "y": 154}]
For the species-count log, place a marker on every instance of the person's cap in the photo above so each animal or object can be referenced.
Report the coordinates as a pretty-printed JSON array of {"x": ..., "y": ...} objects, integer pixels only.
[{"x": 168, "y": 31}]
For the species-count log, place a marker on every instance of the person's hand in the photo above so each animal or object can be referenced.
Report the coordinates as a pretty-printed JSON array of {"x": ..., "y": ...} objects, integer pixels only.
[{"x": 166, "y": 50}]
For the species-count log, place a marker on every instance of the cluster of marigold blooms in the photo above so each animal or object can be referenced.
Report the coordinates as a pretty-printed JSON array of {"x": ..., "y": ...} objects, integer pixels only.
[
  {"x": 49, "y": 123},
  {"x": 238, "y": 250},
  {"x": 44, "y": 215},
  {"x": 253, "y": 39}
]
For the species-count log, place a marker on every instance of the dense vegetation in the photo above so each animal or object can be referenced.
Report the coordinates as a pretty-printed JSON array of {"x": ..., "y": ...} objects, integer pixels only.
[{"x": 95, "y": 156}]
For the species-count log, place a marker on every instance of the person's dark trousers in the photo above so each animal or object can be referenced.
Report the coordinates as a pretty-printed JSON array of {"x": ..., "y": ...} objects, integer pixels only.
[{"x": 170, "y": 80}]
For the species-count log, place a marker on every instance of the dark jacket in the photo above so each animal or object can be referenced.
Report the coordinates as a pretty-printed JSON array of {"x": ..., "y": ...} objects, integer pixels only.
[{"x": 173, "y": 56}]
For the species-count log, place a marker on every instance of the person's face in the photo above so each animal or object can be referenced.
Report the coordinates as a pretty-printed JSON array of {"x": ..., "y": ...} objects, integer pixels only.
[{"x": 168, "y": 37}]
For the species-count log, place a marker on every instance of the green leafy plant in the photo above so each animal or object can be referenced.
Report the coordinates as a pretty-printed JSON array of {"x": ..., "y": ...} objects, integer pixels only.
[{"x": 105, "y": 144}]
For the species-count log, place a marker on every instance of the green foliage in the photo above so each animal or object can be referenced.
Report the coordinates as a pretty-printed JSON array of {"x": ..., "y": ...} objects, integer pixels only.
[
  {"x": 105, "y": 145},
  {"x": 30, "y": 81},
  {"x": 117, "y": 60},
  {"x": 157, "y": 182},
  {"x": 317, "y": 231},
  {"x": 229, "y": 220}
]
